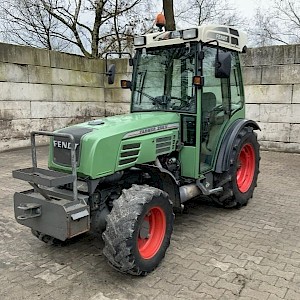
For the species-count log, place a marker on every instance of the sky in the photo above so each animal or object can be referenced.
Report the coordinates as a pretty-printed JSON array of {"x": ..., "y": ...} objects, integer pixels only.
[{"x": 248, "y": 7}]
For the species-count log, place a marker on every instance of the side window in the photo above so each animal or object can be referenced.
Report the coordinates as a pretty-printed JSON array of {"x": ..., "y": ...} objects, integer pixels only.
[
  {"x": 182, "y": 79},
  {"x": 236, "y": 83},
  {"x": 212, "y": 85}
]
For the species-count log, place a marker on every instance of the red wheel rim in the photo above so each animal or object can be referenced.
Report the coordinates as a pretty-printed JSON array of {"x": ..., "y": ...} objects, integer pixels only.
[
  {"x": 246, "y": 168},
  {"x": 152, "y": 232}
]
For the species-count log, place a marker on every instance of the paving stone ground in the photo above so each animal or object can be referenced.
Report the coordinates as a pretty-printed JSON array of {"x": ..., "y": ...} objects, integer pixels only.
[{"x": 215, "y": 253}]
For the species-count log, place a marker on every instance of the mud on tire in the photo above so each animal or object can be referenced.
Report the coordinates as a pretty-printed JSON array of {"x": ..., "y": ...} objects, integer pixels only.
[
  {"x": 138, "y": 230},
  {"x": 240, "y": 180}
]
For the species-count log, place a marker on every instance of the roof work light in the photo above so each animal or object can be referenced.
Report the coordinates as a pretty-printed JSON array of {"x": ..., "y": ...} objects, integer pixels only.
[
  {"x": 189, "y": 34},
  {"x": 139, "y": 41}
]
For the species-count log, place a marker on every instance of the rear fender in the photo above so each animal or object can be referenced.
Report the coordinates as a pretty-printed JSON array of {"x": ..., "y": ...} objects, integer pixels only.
[{"x": 223, "y": 160}]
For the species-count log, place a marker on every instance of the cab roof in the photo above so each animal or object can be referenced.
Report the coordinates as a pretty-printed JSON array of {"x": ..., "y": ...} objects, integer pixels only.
[{"x": 227, "y": 36}]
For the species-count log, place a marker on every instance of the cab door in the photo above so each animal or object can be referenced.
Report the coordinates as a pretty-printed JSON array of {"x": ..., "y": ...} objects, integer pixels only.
[
  {"x": 215, "y": 109},
  {"x": 221, "y": 98}
]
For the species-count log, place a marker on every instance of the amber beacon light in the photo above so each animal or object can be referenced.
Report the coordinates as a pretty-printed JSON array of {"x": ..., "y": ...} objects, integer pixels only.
[{"x": 160, "y": 21}]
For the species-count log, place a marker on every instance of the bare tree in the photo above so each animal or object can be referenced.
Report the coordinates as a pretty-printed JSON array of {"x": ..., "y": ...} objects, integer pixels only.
[
  {"x": 92, "y": 26},
  {"x": 168, "y": 7},
  {"x": 137, "y": 20},
  {"x": 280, "y": 24},
  {"x": 198, "y": 12},
  {"x": 26, "y": 22},
  {"x": 86, "y": 37}
]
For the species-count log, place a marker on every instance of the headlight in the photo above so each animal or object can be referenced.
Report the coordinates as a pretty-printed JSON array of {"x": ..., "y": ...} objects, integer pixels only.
[
  {"x": 139, "y": 41},
  {"x": 190, "y": 34}
]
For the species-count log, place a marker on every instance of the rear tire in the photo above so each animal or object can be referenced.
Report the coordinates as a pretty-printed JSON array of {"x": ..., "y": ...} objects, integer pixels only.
[
  {"x": 138, "y": 230},
  {"x": 240, "y": 180}
]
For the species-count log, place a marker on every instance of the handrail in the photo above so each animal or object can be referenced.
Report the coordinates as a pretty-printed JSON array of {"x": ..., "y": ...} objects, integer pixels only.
[{"x": 73, "y": 154}]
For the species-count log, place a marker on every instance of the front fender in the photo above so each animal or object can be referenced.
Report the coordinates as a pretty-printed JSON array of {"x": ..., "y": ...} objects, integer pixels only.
[{"x": 165, "y": 181}]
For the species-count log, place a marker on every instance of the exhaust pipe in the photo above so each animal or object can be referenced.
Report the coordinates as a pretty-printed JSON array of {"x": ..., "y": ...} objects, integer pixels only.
[{"x": 188, "y": 192}]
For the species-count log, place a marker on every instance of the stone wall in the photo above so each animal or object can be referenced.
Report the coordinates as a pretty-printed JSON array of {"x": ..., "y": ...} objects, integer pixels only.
[
  {"x": 272, "y": 87},
  {"x": 47, "y": 90}
]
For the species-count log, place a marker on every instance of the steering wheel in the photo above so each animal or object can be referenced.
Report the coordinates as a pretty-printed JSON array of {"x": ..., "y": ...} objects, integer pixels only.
[{"x": 184, "y": 103}]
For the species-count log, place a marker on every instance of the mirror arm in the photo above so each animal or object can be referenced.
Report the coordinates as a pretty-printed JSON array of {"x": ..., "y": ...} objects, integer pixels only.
[
  {"x": 210, "y": 42},
  {"x": 213, "y": 41},
  {"x": 120, "y": 53}
]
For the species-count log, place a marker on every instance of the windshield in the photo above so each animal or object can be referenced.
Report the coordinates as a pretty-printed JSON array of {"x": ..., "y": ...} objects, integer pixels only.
[{"x": 163, "y": 79}]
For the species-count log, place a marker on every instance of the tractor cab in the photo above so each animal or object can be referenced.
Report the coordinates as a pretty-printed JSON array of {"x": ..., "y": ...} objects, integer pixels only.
[{"x": 195, "y": 73}]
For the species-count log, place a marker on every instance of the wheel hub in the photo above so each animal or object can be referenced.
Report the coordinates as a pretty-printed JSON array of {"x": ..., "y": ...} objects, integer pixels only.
[
  {"x": 245, "y": 168},
  {"x": 145, "y": 229},
  {"x": 152, "y": 232}
]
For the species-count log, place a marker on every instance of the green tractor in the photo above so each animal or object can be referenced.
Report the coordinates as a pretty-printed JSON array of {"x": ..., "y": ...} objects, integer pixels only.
[{"x": 125, "y": 176}]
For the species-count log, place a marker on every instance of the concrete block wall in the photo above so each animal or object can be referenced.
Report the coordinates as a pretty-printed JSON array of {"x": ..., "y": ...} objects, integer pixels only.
[
  {"x": 46, "y": 90},
  {"x": 117, "y": 100},
  {"x": 272, "y": 88}
]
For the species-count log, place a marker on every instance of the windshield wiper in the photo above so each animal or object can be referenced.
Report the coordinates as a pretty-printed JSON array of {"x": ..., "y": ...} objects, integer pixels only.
[
  {"x": 144, "y": 94},
  {"x": 142, "y": 83}
]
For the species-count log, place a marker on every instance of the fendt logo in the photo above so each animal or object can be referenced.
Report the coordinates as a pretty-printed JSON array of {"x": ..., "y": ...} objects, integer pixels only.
[
  {"x": 222, "y": 37},
  {"x": 63, "y": 145}
]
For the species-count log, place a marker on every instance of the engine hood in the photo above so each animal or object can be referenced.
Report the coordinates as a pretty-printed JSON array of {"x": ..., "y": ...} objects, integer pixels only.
[
  {"x": 99, "y": 141},
  {"x": 130, "y": 124}
]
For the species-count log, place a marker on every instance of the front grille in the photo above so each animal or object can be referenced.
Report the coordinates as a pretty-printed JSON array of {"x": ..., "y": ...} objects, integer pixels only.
[
  {"x": 163, "y": 145},
  {"x": 62, "y": 156},
  {"x": 129, "y": 153},
  {"x": 62, "y": 145}
]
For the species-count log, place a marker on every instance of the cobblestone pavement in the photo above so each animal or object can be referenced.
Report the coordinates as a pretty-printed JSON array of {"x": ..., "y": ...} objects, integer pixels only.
[{"x": 251, "y": 253}]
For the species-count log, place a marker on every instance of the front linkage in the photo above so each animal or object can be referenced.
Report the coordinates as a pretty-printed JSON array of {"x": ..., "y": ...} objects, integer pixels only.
[{"x": 56, "y": 212}]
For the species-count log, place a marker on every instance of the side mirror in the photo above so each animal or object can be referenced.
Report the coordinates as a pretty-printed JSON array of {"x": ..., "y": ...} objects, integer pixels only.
[
  {"x": 223, "y": 65},
  {"x": 111, "y": 72},
  {"x": 125, "y": 84}
]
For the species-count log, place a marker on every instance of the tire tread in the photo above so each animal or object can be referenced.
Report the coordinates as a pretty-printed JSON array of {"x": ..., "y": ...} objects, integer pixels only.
[{"x": 120, "y": 227}]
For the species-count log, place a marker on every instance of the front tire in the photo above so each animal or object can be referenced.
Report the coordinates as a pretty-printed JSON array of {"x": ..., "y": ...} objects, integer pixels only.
[
  {"x": 138, "y": 230},
  {"x": 240, "y": 180}
]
